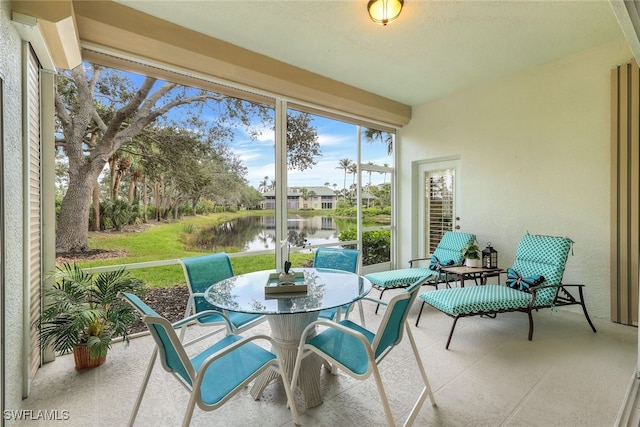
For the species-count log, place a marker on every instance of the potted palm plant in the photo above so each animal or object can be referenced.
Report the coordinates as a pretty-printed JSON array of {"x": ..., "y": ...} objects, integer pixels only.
[
  {"x": 471, "y": 254},
  {"x": 85, "y": 313}
]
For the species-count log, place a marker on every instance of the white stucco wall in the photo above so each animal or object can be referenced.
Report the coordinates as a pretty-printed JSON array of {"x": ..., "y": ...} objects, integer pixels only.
[
  {"x": 10, "y": 72},
  {"x": 534, "y": 156}
]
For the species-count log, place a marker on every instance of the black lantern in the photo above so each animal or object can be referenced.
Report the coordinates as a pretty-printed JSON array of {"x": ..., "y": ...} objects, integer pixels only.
[{"x": 489, "y": 257}]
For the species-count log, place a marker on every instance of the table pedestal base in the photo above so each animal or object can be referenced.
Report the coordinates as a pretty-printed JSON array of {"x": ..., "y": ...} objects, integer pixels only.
[{"x": 286, "y": 330}]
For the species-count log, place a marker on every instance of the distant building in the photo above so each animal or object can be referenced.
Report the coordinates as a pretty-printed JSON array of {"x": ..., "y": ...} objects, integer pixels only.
[{"x": 320, "y": 198}]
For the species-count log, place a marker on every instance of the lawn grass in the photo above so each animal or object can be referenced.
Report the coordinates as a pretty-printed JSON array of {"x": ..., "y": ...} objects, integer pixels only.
[{"x": 165, "y": 241}]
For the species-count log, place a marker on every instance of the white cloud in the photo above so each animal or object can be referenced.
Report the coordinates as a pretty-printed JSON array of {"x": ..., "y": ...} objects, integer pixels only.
[{"x": 337, "y": 141}]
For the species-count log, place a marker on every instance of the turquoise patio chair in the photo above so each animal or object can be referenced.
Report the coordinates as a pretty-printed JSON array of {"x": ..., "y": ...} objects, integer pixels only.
[
  {"x": 533, "y": 282},
  {"x": 447, "y": 253},
  {"x": 214, "y": 375},
  {"x": 200, "y": 273},
  {"x": 337, "y": 259},
  {"x": 358, "y": 351}
]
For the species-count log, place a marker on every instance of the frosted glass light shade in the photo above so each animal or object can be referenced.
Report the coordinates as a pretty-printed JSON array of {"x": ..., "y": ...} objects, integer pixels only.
[{"x": 384, "y": 12}]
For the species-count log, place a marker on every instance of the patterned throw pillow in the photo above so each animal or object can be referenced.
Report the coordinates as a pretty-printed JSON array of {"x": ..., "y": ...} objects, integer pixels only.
[
  {"x": 436, "y": 264},
  {"x": 514, "y": 280}
]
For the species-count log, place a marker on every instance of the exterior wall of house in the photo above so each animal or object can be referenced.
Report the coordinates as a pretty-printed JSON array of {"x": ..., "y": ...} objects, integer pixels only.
[
  {"x": 323, "y": 200},
  {"x": 12, "y": 321},
  {"x": 534, "y": 157}
]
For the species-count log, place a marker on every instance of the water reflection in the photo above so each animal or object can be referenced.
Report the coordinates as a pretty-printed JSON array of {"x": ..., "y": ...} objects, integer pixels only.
[{"x": 256, "y": 233}]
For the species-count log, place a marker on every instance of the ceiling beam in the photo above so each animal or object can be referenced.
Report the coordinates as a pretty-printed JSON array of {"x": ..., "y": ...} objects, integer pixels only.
[
  {"x": 110, "y": 26},
  {"x": 627, "y": 12},
  {"x": 56, "y": 25}
]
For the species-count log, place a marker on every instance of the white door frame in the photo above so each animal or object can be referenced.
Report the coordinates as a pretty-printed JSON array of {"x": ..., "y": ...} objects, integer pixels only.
[{"x": 419, "y": 169}]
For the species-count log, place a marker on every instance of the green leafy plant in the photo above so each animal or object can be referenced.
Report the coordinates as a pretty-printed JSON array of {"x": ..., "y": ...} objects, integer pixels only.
[
  {"x": 471, "y": 251},
  {"x": 376, "y": 245},
  {"x": 119, "y": 212},
  {"x": 85, "y": 308}
]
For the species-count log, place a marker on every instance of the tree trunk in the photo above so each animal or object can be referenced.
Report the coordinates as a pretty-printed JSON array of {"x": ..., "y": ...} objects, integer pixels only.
[
  {"x": 132, "y": 190},
  {"x": 157, "y": 201},
  {"x": 113, "y": 164},
  {"x": 116, "y": 186},
  {"x": 96, "y": 208},
  {"x": 73, "y": 223},
  {"x": 145, "y": 200}
]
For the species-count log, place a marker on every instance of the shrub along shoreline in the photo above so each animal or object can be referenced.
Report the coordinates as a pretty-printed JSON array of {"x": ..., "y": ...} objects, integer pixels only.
[{"x": 157, "y": 241}]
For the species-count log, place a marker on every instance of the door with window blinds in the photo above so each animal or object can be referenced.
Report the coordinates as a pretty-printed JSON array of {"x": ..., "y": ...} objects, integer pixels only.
[
  {"x": 439, "y": 205},
  {"x": 33, "y": 221}
]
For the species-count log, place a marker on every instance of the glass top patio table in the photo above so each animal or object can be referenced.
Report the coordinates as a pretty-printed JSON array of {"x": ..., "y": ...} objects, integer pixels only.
[
  {"x": 289, "y": 315},
  {"x": 326, "y": 288}
]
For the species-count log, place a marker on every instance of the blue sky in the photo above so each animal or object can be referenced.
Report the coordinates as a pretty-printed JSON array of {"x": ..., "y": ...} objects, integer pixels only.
[{"x": 337, "y": 141}]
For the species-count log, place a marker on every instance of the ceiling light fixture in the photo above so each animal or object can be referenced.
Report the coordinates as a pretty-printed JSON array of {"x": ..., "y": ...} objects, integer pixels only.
[{"x": 384, "y": 12}]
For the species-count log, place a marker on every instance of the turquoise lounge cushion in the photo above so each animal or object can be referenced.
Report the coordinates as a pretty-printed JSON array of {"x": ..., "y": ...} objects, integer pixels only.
[
  {"x": 546, "y": 256},
  {"x": 451, "y": 244},
  {"x": 400, "y": 278},
  {"x": 476, "y": 299},
  {"x": 537, "y": 256},
  {"x": 449, "y": 250}
]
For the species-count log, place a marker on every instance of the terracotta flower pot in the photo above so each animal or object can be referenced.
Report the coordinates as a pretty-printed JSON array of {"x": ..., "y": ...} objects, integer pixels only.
[{"x": 83, "y": 358}]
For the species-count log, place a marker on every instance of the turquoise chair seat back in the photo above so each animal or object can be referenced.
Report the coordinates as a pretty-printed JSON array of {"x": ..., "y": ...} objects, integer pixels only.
[
  {"x": 214, "y": 374},
  {"x": 451, "y": 245},
  {"x": 392, "y": 325},
  {"x": 165, "y": 338},
  {"x": 337, "y": 259},
  {"x": 449, "y": 248},
  {"x": 546, "y": 256},
  {"x": 202, "y": 272},
  {"x": 358, "y": 351}
]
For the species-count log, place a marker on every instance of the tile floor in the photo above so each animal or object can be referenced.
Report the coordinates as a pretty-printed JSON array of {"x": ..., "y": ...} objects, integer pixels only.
[{"x": 491, "y": 376}]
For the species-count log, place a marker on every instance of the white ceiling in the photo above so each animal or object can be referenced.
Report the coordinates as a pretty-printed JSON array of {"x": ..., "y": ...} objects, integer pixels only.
[{"x": 433, "y": 49}]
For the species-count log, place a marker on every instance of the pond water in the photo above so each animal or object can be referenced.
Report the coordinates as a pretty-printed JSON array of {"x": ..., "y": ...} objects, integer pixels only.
[{"x": 257, "y": 233}]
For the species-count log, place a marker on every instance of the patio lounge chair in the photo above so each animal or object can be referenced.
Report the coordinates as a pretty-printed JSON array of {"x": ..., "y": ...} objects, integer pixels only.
[
  {"x": 213, "y": 375},
  {"x": 447, "y": 253},
  {"x": 200, "y": 273},
  {"x": 534, "y": 281},
  {"x": 358, "y": 351}
]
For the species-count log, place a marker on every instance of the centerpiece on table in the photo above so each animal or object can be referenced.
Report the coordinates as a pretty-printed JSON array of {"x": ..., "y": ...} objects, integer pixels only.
[
  {"x": 287, "y": 277},
  {"x": 284, "y": 282}
]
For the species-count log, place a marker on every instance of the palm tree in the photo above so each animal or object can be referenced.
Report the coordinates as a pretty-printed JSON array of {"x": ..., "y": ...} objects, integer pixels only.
[
  {"x": 264, "y": 185},
  {"x": 304, "y": 192},
  {"x": 369, "y": 185},
  {"x": 353, "y": 169},
  {"x": 369, "y": 171},
  {"x": 307, "y": 194},
  {"x": 371, "y": 135},
  {"x": 344, "y": 164}
]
